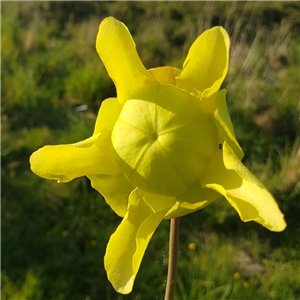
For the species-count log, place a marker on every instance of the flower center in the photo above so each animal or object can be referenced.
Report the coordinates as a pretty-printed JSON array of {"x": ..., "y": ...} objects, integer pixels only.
[{"x": 163, "y": 140}]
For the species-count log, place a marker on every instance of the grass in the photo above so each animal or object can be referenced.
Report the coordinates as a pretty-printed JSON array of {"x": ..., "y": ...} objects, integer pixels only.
[
  {"x": 54, "y": 236},
  {"x": 216, "y": 270}
]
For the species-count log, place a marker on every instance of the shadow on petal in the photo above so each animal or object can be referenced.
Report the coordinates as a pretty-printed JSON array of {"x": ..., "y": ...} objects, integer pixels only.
[
  {"x": 247, "y": 195},
  {"x": 127, "y": 245}
]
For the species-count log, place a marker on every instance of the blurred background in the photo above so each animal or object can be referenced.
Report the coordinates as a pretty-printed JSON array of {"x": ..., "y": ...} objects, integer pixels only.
[{"x": 54, "y": 235}]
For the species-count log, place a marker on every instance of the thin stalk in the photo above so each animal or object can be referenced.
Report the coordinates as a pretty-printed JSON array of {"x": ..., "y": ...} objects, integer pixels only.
[{"x": 173, "y": 259}]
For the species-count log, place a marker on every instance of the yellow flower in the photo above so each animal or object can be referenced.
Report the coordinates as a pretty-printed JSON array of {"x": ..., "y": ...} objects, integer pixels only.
[
  {"x": 93, "y": 242},
  {"x": 165, "y": 147},
  {"x": 64, "y": 233},
  {"x": 236, "y": 275},
  {"x": 192, "y": 246}
]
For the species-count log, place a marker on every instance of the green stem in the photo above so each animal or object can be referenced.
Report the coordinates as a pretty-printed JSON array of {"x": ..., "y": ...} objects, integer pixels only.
[{"x": 173, "y": 258}]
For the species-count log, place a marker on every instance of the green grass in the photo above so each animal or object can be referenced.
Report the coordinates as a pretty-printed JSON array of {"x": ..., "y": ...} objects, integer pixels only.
[
  {"x": 54, "y": 236},
  {"x": 212, "y": 271}
]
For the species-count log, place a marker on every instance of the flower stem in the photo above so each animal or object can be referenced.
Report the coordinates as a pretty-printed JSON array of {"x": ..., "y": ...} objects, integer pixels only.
[{"x": 173, "y": 258}]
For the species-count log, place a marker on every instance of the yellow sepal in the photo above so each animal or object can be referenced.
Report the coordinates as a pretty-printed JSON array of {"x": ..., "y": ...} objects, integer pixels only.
[
  {"x": 66, "y": 162},
  {"x": 117, "y": 51},
  {"x": 206, "y": 64}
]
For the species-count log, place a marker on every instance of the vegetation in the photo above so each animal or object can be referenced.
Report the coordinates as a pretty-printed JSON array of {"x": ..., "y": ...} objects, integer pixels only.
[{"x": 54, "y": 235}]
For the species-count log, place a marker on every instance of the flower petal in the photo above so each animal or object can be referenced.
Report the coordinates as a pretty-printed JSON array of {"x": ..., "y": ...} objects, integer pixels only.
[
  {"x": 117, "y": 50},
  {"x": 206, "y": 64},
  {"x": 229, "y": 177},
  {"x": 108, "y": 114},
  {"x": 66, "y": 162},
  {"x": 191, "y": 200},
  {"x": 165, "y": 75},
  {"x": 127, "y": 245},
  {"x": 115, "y": 189},
  {"x": 225, "y": 127}
]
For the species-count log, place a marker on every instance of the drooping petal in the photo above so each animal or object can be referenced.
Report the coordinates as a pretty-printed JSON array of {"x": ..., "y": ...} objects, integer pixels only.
[
  {"x": 117, "y": 50},
  {"x": 127, "y": 245},
  {"x": 191, "y": 200},
  {"x": 66, "y": 162},
  {"x": 225, "y": 127},
  {"x": 108, "y": 114},
  {"x": 115, "y": 189},
  {"x": 229, "y": 177},
  {"x": 165, "y": 75},
  {"x": 206, "y": 64}
]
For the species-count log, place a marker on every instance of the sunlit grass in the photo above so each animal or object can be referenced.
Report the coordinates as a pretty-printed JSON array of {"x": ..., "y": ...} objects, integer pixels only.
[{"x": 227, "y": 267}]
